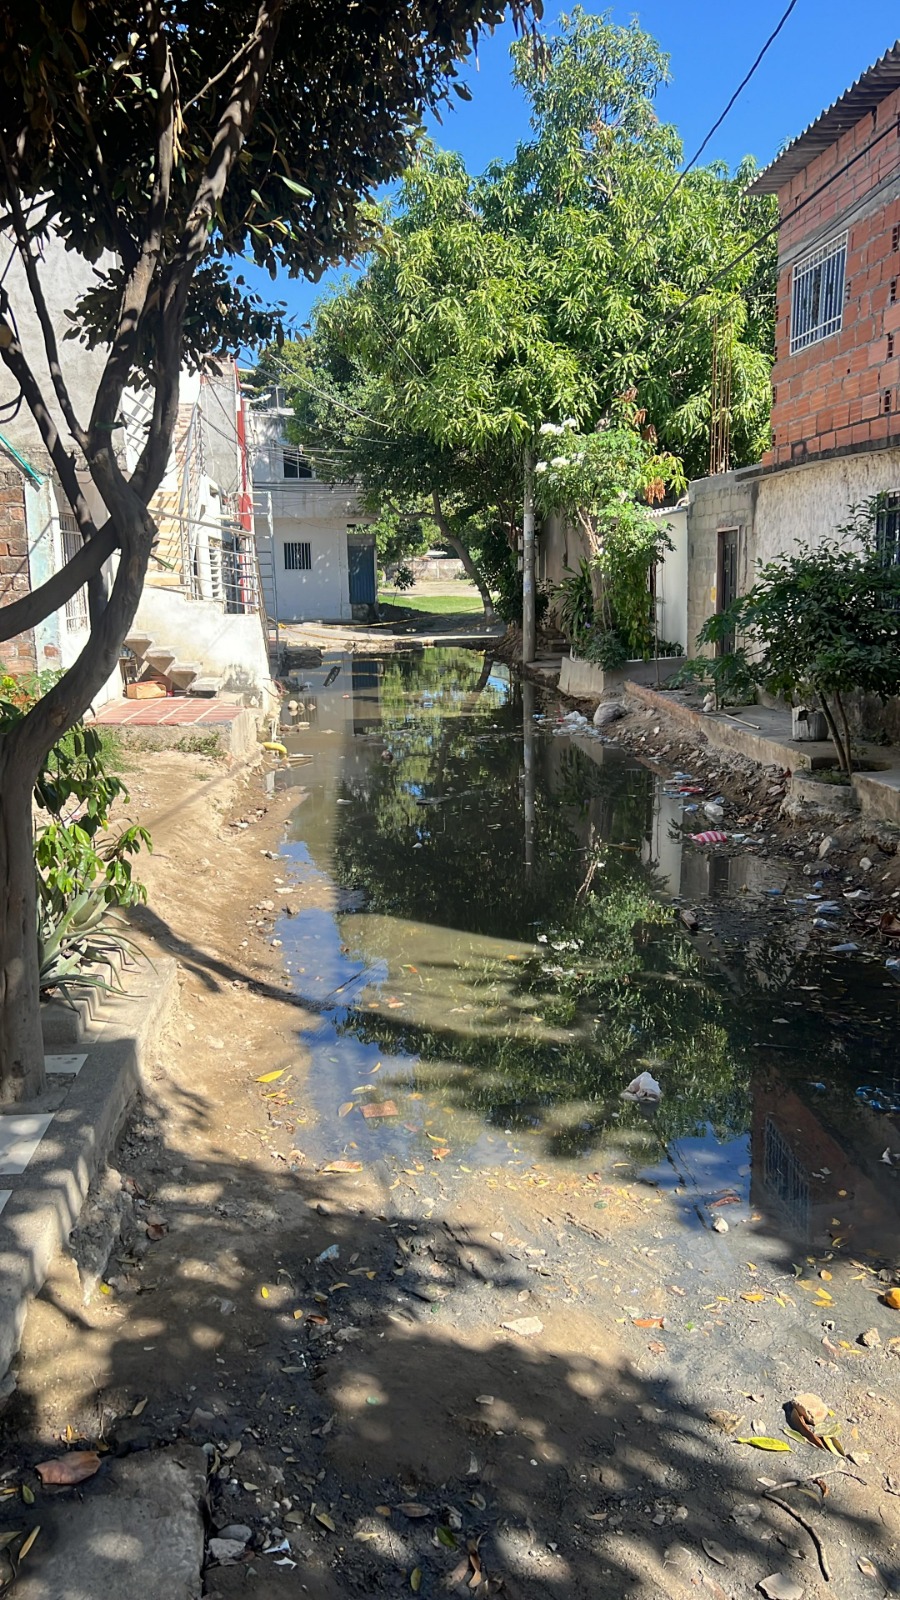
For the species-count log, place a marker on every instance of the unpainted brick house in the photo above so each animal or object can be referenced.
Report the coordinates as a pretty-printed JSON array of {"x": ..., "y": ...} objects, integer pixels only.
[{"x": 836, "y": 377}]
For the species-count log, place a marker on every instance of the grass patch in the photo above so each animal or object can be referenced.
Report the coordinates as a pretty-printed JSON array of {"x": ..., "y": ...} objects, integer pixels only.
[
  {"x": 200, "y": 744},
  {"x": 437, "y": 605}
]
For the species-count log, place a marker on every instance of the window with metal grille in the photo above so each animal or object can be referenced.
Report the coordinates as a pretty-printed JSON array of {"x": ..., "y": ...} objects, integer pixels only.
[
  {"x": 786, "y": 1178},
  {"x": 297, "y": 555},
  {"x": 887, "y": 528},
  {"x": 817, "y": 294},
  {"x": 70, "y": 537}
]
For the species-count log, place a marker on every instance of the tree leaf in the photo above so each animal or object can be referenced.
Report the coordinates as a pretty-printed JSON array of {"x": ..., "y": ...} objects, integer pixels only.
[
  {"x": 270, "y": 1077},
  {"x": 69, "y": 1469},
  {"x": 415, "y": 1579},
  {"x": 763, "y": 1442}
]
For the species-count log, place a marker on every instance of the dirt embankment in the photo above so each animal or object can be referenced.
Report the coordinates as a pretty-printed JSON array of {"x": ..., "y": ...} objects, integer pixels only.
[{"x": 432, "y": 1380}]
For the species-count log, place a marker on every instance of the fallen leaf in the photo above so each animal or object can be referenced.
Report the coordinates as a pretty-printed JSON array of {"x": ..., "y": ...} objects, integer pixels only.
[
  {"x": 139, "y": 1407},
  {"x": 324, "y": 1518},
  {"x": 446, "y": 1537},
  {"x": 780, "y": 1586},
  {"x": 868, "y": 1568},
  {"x": 762, "y": 1442},
  {"x": 345, "y": 1109},
  {"x": 270, "y": 1077},
  {"x": 381, "y": 1108},
  {"x": 264, "y": 1292},
  {"x": 413, "y": 1509},
  {"x": 27, "y": 1495},
  {"x": 728, "y": 1421},
  {"x": 415, "y": 1579},
  {"x": 716, "y": 1552},
  {"x": 648, "y": 1322},
  {"x": 29, "y": 1541},
  {"x": 754, "y": 1296},
  {"x": 73, "y": 1468},
  {"x": 343, "y": 1166}
]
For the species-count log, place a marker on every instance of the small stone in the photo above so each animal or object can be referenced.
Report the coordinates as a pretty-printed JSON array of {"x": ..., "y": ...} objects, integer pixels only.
[
  {"x": 526, "y": 1326},
  {"x": 825, "y": 846},
  {"x": 226, "y": 1551},
  {"x": 870, "y": 1338},
  {"x": 865, "y": 865},
  {"x": 719, "y": 1225},
  {"x": 237, "y": 1530}
]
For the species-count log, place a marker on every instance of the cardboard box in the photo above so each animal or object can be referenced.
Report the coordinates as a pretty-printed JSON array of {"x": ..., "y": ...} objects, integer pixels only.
[{"x": 149, "y": 689}]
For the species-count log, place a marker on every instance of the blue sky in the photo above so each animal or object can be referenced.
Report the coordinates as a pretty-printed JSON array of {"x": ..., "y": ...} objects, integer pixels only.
[{"x": 820, "y": 51}]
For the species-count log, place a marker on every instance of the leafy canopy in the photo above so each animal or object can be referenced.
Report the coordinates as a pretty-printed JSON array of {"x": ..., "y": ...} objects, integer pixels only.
[{"x": 546, "y": 288}]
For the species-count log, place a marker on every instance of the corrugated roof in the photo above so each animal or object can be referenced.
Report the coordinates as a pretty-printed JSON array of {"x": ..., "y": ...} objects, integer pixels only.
[{"x": 868, "y": 91}]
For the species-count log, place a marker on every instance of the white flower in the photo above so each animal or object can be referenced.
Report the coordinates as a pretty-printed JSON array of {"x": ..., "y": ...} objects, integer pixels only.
[
  {"x": 541, "y": 466},
  {"x": 559, "y": 461},
  {"x": 569, "y": 422},
  {"x": 547, "y": 427}
]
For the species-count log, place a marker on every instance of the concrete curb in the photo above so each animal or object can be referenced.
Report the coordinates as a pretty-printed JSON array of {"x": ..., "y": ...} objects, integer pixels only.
[{"x": 88, "y": 1112}]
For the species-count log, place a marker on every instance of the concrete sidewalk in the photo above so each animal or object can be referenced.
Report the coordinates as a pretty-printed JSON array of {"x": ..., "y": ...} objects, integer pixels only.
[
  {"x": 51, "y": 1148},
  {"x": 763, "y": 734}
]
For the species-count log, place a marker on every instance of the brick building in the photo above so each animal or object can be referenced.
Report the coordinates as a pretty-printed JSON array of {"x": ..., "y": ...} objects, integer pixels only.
[
  {"x": 16, "y": 655},
  {"x": 836, "y": 376}
]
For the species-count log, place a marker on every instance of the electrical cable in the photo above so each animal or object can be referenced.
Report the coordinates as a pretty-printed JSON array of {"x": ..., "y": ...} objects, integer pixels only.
[{"x": 719, "y": 120}]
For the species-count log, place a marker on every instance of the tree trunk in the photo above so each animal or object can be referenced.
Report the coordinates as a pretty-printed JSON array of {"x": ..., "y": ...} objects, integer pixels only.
[
  {"x": 21, "y": 1042},
  {"x": 469, "y": 566}
]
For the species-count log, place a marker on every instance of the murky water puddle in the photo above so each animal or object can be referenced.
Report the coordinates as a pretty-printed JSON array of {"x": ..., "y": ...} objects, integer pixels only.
[{"x": 485, "y": 921}]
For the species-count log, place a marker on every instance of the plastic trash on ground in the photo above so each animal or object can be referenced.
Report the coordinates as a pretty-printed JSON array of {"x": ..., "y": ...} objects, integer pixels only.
[{"x": 643, "y": 1087}]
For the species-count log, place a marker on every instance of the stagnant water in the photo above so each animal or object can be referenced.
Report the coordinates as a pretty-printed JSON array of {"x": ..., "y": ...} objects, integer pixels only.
[{"x": 506, "y": 955}]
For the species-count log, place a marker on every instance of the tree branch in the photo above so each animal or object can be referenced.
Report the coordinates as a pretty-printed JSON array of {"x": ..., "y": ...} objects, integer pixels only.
[
  {"x": 23, "y": 242},
  {"x": 26, "y": 613},
  {"x": 138, "y": 284},
  {"x": 14, "y": 359}
]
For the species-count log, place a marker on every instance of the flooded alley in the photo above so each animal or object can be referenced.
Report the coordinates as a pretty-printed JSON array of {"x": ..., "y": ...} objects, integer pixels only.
[{"x": 387, "y": 1263}]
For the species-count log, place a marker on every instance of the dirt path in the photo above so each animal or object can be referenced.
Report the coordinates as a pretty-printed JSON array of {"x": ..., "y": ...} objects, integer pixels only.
[{"x": 350, "y": 1346}]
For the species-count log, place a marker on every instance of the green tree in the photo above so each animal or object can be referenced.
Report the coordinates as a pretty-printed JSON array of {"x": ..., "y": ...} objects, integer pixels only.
[
  {"x": 163, "y": 141},
  {"x": 824, "y": 622},
  {"x": 547, "y": 288}
]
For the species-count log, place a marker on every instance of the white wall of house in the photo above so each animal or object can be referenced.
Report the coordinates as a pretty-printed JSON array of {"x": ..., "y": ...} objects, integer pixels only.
[
  {"x": 301, "y": 528},
  {"x": 229, "y": 646},
  {"x": 672, "y": 579},
  {"x": 807, "y": 503}
]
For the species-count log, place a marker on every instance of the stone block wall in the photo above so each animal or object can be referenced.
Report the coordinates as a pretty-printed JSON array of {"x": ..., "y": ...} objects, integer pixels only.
[
  {"x": 16, "y": 655},
  {"x": 716, "y": 504}
]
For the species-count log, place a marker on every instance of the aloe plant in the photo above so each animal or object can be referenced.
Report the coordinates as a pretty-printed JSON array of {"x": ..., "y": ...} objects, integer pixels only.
[{"x": 75, "y": 939}]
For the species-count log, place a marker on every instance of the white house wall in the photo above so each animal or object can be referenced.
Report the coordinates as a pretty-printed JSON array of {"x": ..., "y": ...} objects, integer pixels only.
[{"x": 807, "y": 504}]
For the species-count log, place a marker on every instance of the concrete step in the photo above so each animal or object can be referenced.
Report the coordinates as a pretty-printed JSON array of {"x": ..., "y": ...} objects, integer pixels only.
[
  {"x": 160, "y": 657},
  {"x": 183, "y": 673},
  {"x": 138, "y": 642},
  {"x": 206, "y": 688}
]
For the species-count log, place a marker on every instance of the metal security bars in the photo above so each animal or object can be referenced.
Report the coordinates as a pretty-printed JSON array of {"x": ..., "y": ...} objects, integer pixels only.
[
  {"x": 887, "y": 529},
  {"x": 297, "y": 555},
  {"x": 817, "y": 294},
  {"x": 77, "y": 607}
]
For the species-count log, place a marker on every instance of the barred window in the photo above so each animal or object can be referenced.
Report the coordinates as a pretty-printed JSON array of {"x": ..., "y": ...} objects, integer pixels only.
[
  {"x": 887, "y": 529},
  {"x": 77, "y": 606},
  {"x": 817, "y": 294},
  {"x": 297, "y": 555}
]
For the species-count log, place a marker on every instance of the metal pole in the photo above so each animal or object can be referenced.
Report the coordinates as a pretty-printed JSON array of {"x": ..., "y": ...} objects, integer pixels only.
[
  {"x": 528, "y": 774},
  {"x": 529, "y": 626}
]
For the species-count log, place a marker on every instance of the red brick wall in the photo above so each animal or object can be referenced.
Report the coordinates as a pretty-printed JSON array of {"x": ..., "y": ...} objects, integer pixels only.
[
  {"x": 16, "y": 655},
  {"x": 832, "y": 394}
]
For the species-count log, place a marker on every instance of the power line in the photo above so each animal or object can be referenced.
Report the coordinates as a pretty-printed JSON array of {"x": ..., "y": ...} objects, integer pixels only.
[
  {"x": 719, "y": 120},
  {"x": 892, "y": 128}
]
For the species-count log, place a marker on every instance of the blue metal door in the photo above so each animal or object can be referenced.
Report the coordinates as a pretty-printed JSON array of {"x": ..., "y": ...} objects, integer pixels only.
[{"x": 361, "y": 564}]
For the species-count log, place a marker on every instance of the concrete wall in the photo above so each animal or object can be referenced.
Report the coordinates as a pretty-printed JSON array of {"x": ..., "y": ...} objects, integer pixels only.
[
  {"x": 807, "y": 503},
  {"x": 843, "y": 391},
  {"x": 16, "y": 655},
  {"x": 230, "y": 646}
]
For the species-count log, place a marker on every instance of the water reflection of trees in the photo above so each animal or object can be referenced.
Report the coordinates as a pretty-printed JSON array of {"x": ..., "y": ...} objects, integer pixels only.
[{"x": 437, "y": 837}]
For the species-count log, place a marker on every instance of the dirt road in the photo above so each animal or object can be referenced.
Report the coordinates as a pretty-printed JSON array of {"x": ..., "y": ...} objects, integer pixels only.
[{"x": 432, "y": 1380}]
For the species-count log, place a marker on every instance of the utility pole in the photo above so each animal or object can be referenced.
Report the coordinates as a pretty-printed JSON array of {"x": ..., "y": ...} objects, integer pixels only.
[{"x": 529, "y": 626}]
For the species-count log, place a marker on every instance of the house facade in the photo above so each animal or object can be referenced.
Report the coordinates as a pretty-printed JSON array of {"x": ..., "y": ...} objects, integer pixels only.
[
  {"x": 200, "y": 626},
  {"x": 318, "y": 558},
  {"x": 836, "y": 378}
]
